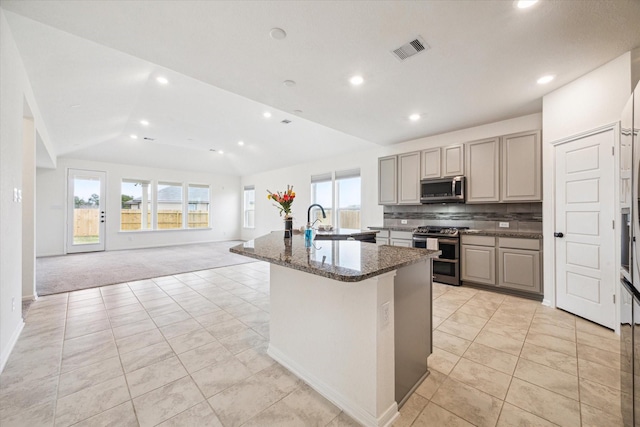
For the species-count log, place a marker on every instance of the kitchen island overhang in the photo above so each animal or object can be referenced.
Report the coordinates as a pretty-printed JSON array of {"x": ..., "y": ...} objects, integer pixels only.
[{"x": 351, "y": 319}]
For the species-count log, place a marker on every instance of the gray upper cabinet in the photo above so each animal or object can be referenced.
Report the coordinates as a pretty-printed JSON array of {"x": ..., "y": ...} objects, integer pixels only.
[
  {"x": 409, "y": 178},
  {"x": 453, "y": 160},
  {"x": 483, "y": 170},
  {"x": 430, "y": 163},
  {"x": 505, "y": 169},
  {"x": 521, "y": 169},
  {"x": 388, "y": 180},
  {"x": 442, "y": 162}
]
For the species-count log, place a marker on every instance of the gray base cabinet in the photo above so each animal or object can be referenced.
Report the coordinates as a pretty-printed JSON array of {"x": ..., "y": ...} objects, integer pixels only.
[
  {"x": 401, "y": 238},
  {"x": 517, "y": 265},
  {"x": 478, "y": 259}
]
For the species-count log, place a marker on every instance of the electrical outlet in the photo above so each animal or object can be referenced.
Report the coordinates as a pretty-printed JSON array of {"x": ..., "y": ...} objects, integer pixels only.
[
  {"x": 503, "y": 225},
  {"x": 385, "y": 314},
  {"x": 403, "y": 221},
  {"x": 13, "y": 304}
]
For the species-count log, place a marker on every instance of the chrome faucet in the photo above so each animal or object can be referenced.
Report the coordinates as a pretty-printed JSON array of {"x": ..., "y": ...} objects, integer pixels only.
[{"x": 309, "y": 214}]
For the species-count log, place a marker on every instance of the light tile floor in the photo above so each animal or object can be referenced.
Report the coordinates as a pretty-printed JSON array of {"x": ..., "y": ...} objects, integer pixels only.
[{"x": 190, "y": 350}]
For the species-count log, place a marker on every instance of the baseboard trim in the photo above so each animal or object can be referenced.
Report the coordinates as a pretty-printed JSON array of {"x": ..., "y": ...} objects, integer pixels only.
[
  {"x": 31, "y": 297},
  {"x": 347, "y": 405},
  {"x": 4, "y": 356}
]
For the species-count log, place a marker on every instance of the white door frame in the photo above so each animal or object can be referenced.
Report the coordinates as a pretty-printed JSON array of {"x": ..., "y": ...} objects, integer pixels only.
[
  {"x": 68, "y": 245},
  {"x": 549, "y": 212}
]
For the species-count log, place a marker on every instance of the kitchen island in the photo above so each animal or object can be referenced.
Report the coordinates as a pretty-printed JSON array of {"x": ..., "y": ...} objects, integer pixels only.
[{"x": 351, "y": 319}]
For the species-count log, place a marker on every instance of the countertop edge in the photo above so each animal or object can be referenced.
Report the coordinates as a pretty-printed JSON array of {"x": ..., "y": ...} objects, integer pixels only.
[
  {"x": 494, "y": 233},
  {"x": 497, "y": 233},
  {"x": 336, "y": 276}
]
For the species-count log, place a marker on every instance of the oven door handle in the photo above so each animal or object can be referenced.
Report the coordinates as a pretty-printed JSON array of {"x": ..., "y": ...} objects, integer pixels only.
[{"x": 448, "y": 241}]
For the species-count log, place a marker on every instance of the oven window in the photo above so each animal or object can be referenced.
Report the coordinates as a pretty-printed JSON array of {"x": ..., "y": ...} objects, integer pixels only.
[
  {"x": 444, "y": 268},
  {"x": 448, "y": 250}
]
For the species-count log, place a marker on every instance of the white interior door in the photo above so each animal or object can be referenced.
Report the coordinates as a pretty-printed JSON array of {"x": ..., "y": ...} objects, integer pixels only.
[
  {"x": 585, "y": 254},
  {"x": 86, "y": 211}
]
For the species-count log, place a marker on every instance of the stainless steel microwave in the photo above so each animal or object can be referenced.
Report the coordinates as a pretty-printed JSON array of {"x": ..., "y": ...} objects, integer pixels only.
[{"x": 442, "y": 190}]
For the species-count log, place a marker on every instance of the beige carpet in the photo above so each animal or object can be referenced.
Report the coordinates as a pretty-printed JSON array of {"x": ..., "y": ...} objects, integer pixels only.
[{"x": 88, "y": 270}]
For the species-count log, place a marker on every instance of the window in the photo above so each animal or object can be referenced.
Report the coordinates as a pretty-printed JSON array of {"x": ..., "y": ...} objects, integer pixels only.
[
  {"x": 135, "y": 212},
  {"x": 348, "y": 195},
  {"x": 249, "y": 206},
  {"x": 198, "y": 206},
  {"x": 322, "y": 194},
  {"x": 169, "y": 204},
  {"x": 346, "y": 198},
  {"x": 168, "y": 210}
]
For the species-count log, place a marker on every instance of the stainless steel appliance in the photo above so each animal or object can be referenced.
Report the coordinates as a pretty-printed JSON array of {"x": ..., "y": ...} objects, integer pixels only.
[
  {"x": 629, "y": 304},
  {"x": 446, "y": 268},
  {"x": 442, "y": 190}
]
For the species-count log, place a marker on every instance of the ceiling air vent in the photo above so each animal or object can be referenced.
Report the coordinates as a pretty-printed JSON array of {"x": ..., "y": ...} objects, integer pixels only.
[
  {"x": 286, "y": 122},
  {"x": 149, "y": 139},
  {"x": 410, "y": 49}
]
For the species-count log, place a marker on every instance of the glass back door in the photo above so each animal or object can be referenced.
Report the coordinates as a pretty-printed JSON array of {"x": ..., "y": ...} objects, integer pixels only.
[{"x": 86, "y": 211}]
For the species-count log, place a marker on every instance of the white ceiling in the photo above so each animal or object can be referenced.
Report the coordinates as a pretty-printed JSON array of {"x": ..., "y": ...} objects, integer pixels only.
[{"x": 224, "y": 70}]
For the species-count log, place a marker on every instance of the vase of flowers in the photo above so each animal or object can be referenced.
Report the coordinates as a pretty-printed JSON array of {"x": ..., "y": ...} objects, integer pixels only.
[{"x": 283, "y": 201}]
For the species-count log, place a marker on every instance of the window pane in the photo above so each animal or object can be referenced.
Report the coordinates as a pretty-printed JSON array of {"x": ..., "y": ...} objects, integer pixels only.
[
  {"x": 322, "y": 193},
  {"x": 249, "y": 207},
  {"x": 169, "y": 206},
  {"x": 86, "y": 212},
  {"x": 135, "y": 212},
  {"x": 199, "y": 202},
  {"x": 348, "y": 190}
]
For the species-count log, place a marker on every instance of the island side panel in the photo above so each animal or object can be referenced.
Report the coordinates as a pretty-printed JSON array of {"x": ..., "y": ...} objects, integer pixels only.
[
  {"x": 413, "y": 323},
  {"x": 333, "y": 335}
]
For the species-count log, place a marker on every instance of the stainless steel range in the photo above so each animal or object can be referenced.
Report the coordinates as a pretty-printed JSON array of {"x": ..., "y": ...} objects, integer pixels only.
[{"x": 446, "y": 268}]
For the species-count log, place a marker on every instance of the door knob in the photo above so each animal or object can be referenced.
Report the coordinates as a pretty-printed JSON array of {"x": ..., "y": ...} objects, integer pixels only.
[{"x": 560, "y": 235}]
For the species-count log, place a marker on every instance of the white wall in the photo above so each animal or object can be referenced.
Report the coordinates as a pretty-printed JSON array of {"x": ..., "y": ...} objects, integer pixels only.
[
  {"x": 14, "y": 91},
  {"x": 51, "y": 189},
  {"x": 592, "y": 101},
  {"x": 28, "y": 208},
  {"x": 266, "y": 216}
]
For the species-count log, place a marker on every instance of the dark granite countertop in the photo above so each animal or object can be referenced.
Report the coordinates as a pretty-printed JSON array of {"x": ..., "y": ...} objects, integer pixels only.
[
  {"x": 345, "y": 232},
  {"x": 342, "y": 260},
  {"x": 503, "y": 233},
  {"x": 494, "y": 233},
  {"x": 394, "y": 228}
]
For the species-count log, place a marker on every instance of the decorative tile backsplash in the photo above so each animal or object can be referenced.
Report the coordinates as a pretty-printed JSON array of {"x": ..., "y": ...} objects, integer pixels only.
[{"x": 520, "y": 216}]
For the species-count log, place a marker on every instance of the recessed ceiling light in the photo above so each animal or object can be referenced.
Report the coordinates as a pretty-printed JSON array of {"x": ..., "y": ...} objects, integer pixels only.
[
  {"x": 356, "y": 80},
  {"x": 289, "y": 83},
  {"x": 414, "y": 117},
  {"x": 266, "y": 114},
  {"x": 241, "y": 143},
  {"x": 277, "y": 33},
  {"x": 545, "y": 79},
  {"x": 133, "y": 136},
  {"x": 524, "y": 4},
  {"x": 220, "y": 152},
  {"x": 144, "y": 123},
  {"x": 162, "y": 80}
]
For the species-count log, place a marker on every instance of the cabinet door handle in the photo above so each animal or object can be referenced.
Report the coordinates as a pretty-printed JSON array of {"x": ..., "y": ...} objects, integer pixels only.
[{"x": 560, "y": 235}]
